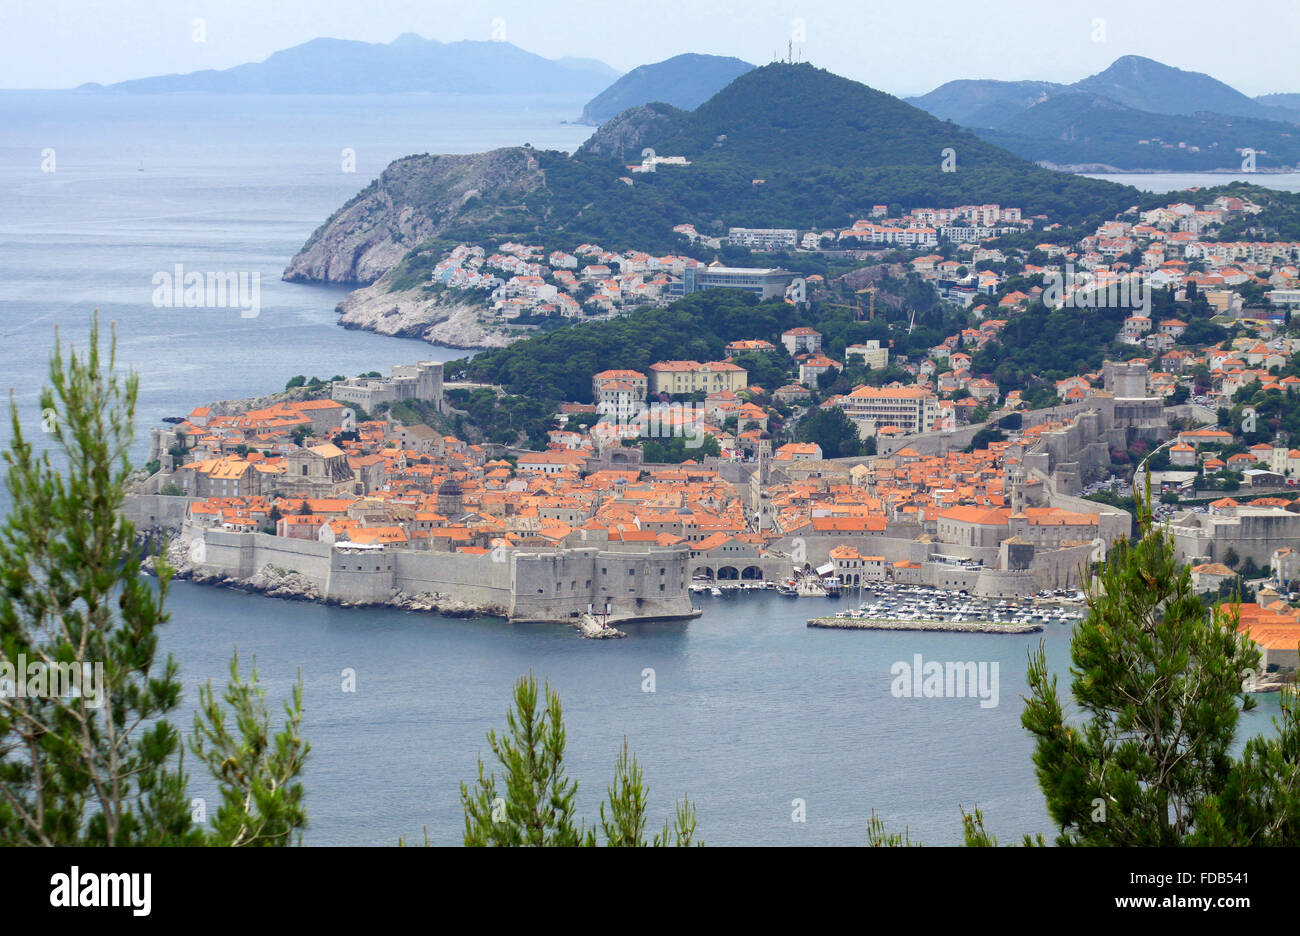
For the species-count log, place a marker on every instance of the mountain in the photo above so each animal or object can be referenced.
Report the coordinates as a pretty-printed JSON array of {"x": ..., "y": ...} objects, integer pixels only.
[
  {"x": 981, "y": 103},
  {"x": 824, "y": 148},
  {"x": 780, "y": 146},
  {"x": 1287, "y": 101},
  {"x": 1136, "y": 82},
  {"x": 408, "y": 63},
  {"x": 781, "y": 118},
  {"x": 1137, "y": 115},
  {"x": 684, "y": 81},
  {"x": 1077, "y": 128},
  {"x": 1148, "y": 85}
]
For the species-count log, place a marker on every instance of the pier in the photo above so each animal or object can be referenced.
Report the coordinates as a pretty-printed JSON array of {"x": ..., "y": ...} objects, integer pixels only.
[{"x": 966, "y": 627}]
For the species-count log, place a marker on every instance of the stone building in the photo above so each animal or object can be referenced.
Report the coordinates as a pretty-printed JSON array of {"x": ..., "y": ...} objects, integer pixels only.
[
  {"x": 450, "y": 500},
  {"x": 1250, "y": 532},
  {"x": 422, "y": 381},
  {"x": 318, "y": 471}
]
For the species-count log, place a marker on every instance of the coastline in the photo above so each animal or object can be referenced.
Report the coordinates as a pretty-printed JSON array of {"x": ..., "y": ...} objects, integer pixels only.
[
  {"x": 274, "y": 582},
  {"x": 411, "y": 313},
  {"x": 271, "y": 581}
]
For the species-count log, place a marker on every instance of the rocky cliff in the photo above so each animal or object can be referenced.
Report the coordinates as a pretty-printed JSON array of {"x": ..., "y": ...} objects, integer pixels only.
[
  {"x": 413, "y": 313},
  {"x": 414, "y": 199},
  {"x": 625, "y": 135}
]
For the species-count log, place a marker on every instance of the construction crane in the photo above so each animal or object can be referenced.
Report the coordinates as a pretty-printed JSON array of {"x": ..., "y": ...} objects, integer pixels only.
[
  {"x": 857, "y": 308},
  {"x": 872, "y": 290}
]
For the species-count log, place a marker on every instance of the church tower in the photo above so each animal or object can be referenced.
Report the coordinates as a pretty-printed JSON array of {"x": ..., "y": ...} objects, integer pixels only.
[{"x": 1016, "y": 478}]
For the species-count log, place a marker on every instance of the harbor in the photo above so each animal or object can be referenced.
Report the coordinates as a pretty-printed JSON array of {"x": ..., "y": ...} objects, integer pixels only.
[{"x": 899, "y": 606}]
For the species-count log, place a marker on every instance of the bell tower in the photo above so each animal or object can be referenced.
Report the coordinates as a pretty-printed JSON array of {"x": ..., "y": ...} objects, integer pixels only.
[{"x": 1016, "y": 478}]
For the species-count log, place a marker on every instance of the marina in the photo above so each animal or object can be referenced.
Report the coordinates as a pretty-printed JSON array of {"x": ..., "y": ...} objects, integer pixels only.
[{"x": 897, "y": 606}]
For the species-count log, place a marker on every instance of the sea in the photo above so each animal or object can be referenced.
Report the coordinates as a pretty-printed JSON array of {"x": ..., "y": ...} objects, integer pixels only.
[{"x": 780, "y": 734}]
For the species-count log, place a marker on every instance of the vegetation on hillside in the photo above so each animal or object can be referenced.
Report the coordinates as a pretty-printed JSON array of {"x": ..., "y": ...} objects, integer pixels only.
[{"x": 826, "y": 149}]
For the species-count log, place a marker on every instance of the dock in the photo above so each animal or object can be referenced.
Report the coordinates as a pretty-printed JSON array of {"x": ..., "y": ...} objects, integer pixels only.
[{"x": 963, "y": 627}]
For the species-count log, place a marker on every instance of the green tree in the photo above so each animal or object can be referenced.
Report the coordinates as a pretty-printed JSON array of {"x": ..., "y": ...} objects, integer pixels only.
[
  {"x": 103, "y": 765},
  {"x": 261, "y": 797},
  {"x": 534, "y": 803},
  {"x": 1160, "y": 682},
  {"x": 1160, "y": 685},
  {"x": 677, "y": 449},
  {"x": 624, "y": 824},
  {"x": 832, "y": 429}
]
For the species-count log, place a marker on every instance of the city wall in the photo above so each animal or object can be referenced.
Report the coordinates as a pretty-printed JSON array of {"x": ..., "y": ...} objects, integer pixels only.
[
  {"x": 156, "y": 511},
  {"x": 552, "y": 585}
]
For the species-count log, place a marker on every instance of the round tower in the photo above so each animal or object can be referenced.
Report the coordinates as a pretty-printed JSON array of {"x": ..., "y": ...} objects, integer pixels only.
[{"x": 449, "y": 497}]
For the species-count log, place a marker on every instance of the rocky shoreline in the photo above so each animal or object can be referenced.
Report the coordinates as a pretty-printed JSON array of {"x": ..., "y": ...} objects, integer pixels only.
[
  {"x": 592, "y": 629},
  {"x": 962, "y": 627},
  {"x": 412, "y": 313},
  {"x": 275, "y": 582}
]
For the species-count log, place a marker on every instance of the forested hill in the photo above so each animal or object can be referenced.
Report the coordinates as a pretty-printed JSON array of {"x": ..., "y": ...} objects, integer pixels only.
[
  {"x": 788, "y": 146},
  {"x": 796, "y": 146},
  {"x": 783, "y": 117},
  {"x": 1081, "y": 129}
]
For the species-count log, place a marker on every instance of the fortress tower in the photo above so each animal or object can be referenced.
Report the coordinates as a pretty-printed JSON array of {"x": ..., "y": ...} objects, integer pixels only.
[{"x": 450, "y": 503}]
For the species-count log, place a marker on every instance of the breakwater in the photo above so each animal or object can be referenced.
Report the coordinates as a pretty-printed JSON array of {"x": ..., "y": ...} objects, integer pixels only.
[{"x": 964, "y": 627}]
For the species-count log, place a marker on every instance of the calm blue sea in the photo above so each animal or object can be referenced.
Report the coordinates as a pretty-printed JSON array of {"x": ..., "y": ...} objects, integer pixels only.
[
  {"x": 1161, "y": 182},
  {"x": 751, "y": 710}
]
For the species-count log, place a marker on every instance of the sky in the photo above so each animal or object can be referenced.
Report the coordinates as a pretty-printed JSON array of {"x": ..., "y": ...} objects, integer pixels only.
[{"x": 903, "y": 48}]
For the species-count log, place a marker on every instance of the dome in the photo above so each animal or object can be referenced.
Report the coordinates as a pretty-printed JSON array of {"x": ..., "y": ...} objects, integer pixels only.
[{"x": 449, "y": 487}]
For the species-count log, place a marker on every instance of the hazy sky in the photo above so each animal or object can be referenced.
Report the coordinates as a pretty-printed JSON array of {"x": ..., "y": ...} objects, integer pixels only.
[{"x": 901, "y": 47}]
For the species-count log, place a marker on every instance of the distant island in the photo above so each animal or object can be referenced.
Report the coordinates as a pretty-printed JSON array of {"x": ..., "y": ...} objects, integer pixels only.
[
  {"x": 410, "y": 63},
  {"x": 684, "y": 81}
]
